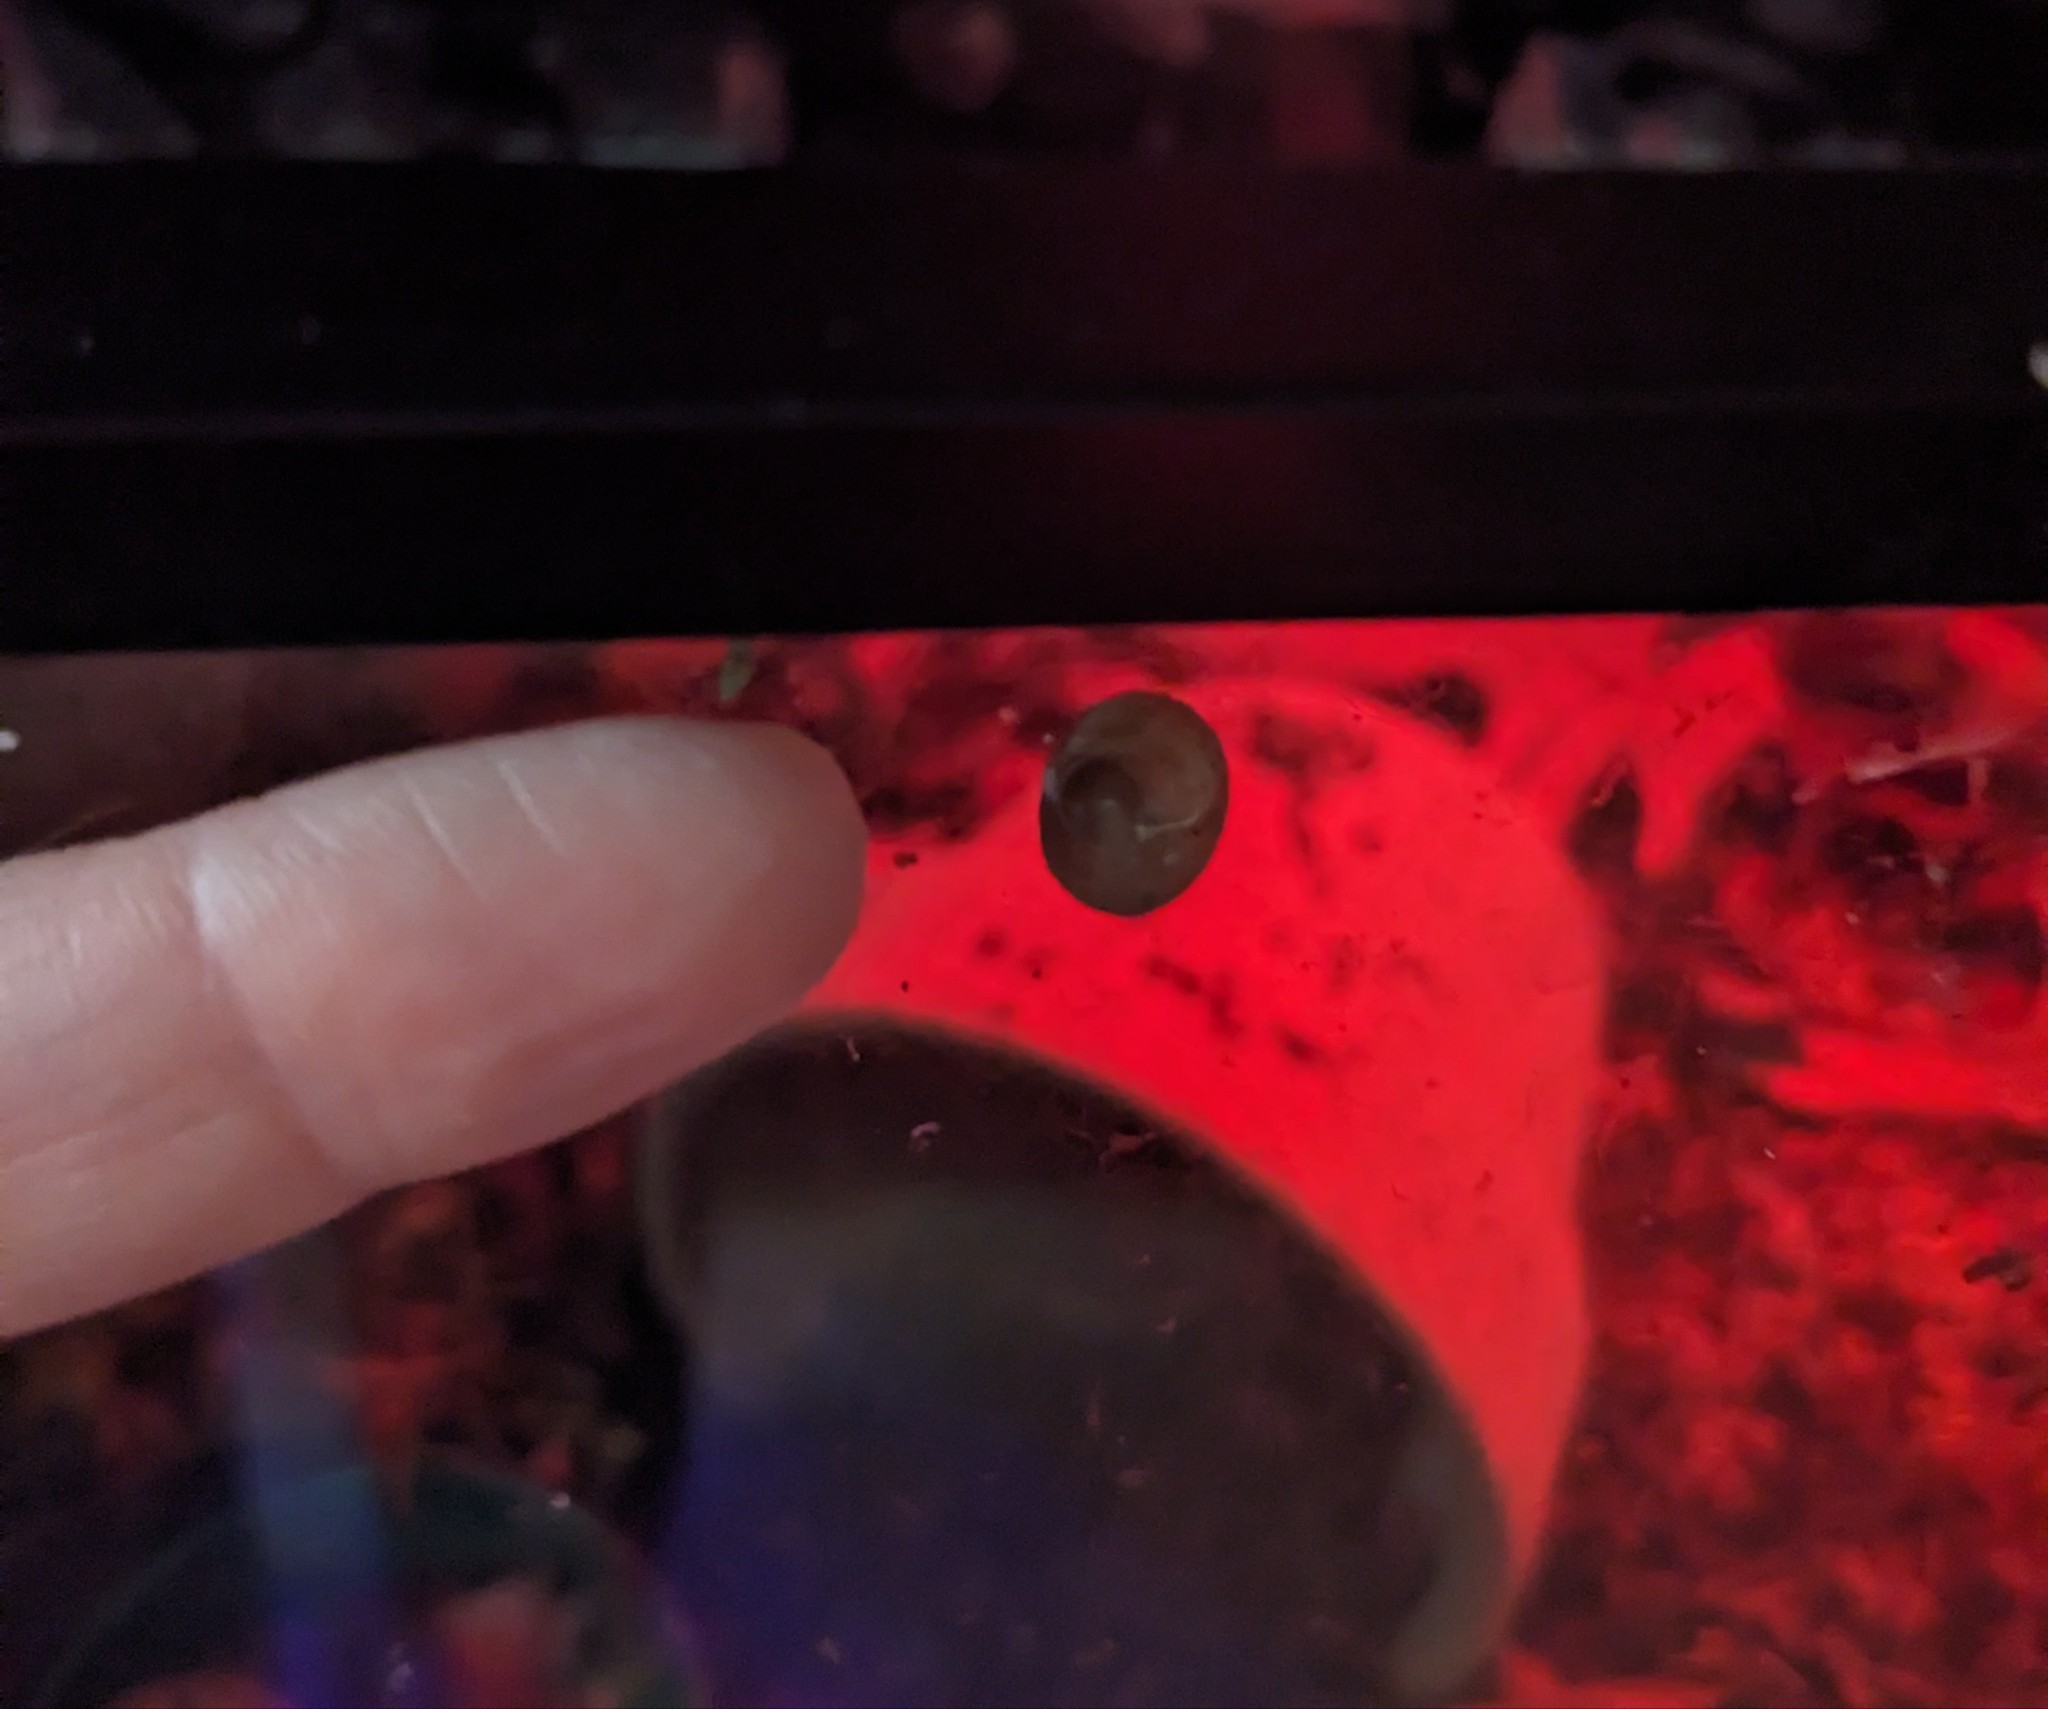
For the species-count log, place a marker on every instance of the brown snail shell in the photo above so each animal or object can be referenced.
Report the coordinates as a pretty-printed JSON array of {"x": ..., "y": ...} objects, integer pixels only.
[{"x": 1133, "y": 803}]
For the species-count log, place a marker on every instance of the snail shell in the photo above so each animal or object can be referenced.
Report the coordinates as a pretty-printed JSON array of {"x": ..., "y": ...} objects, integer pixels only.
[{"x": 1133, "y": 803}]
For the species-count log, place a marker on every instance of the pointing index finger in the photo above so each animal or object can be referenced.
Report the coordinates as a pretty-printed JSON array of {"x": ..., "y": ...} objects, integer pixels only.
[{"x": 220, "y": 1033}]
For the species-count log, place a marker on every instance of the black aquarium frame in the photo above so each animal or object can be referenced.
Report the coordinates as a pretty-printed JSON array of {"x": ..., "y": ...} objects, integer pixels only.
[{"x": 304, "y": 404}]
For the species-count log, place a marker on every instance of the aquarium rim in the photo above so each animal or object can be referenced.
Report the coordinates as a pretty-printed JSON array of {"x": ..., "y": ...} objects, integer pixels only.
[{"x": 285, "y": 404}]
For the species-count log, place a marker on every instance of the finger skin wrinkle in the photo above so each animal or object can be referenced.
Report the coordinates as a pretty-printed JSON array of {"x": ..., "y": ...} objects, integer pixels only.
[
  {"x": 436, "y": 828},
  {"x": 201, "y": 883},
  {"x": 516, "y": 786},
  {"x": 138, "y": 1105}
]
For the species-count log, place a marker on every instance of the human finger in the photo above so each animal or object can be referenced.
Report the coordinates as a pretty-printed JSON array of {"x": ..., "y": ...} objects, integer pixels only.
[{"x": 222, "y": 1032}]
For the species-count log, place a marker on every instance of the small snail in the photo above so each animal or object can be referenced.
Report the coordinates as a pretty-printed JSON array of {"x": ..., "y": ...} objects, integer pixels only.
[{"x": 1133, "y": 803}]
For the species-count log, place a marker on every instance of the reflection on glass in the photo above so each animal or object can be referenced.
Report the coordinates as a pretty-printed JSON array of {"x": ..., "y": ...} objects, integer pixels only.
[
  {"x": 1680, "y": 84},
  {"x": 1549, "y": 1214}
]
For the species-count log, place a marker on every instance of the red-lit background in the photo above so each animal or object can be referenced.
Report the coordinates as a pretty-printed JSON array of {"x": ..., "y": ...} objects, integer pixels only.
[{"x": 1811, "y": 1465}]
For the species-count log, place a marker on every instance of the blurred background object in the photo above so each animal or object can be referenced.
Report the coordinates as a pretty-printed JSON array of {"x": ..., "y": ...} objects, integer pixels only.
[
  {"x": 719, "y": 84},
  {"x": 103, "y": 746}
]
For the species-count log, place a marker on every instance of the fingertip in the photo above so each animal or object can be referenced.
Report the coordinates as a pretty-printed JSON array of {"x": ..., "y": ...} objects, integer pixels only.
[
  {"x": 783, "y": 793},
  {"x": 793, "y": 784}
]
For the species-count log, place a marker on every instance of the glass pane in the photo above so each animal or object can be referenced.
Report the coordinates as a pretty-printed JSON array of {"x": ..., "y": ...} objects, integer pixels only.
[{"x": 1489, "y": 1163}]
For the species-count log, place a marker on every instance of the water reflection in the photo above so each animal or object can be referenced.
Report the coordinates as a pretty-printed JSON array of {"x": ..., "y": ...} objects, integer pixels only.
[{"x": 1021, "y": 1401}]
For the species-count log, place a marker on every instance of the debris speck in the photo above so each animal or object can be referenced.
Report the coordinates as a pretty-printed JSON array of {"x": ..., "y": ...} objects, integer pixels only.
[
  {"x": 2008, "y": 1266},
  {"x": 852, "y": 1050},
  {"x": 10, "y": 740},
  {"x": 830, "y": 1652},
  {"x": 922, "y": 1135},
  {"x": 1122, "y": 1144},
  {"x": 1133, "y": 1478},
  {"x": 735, "y": 671}
]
